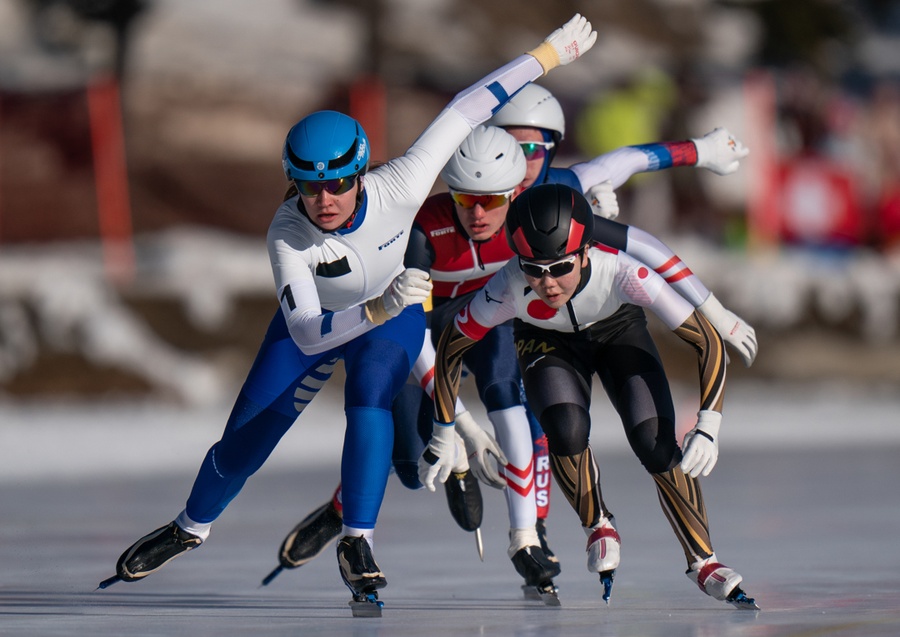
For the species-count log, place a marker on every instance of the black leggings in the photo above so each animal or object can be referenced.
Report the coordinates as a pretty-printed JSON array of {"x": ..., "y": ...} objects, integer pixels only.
[{"x": 557, "y": 368}]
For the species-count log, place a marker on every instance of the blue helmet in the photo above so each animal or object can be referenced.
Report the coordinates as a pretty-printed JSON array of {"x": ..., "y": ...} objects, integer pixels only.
[{"x": 325, "y": 145}]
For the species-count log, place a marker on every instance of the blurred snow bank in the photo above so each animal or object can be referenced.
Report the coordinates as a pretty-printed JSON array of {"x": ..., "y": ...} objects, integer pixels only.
[
  {"x": 76, "y": 310},
  {"x": 782, "y": 289},
  {"x": 56, "y": 296},
  {"x": 84, "y": 441}
]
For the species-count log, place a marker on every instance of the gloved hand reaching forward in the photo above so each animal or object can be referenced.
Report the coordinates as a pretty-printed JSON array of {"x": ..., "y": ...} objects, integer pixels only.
[
  {"x": 441, "y": 456},
  {"x": 566, "y": 44},
  {"x": 408, "y": 288},
  {"x": 480, "y": 446},
  {"x": 603, "y": 200},
  {"x": 701, "y": 446},
  {"x": 720, "y": 151}
]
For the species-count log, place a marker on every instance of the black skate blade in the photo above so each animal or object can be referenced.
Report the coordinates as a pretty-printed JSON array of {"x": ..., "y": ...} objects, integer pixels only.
[
  {"x": 275, "y": 573},
  {"x": 547, "y": 593},
  {"x": 366, "y": 605},
  {"x": 109, "y": 581},
  {"x": 531, "y": 593},
  {"x": 606, "y": 578},
  {"x": 739, "y": 600}
]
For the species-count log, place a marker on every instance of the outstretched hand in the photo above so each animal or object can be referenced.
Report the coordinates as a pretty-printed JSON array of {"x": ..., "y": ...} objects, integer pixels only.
[
  {"x": 720, "y": 151},
  {"x": 566, "y": 44}
]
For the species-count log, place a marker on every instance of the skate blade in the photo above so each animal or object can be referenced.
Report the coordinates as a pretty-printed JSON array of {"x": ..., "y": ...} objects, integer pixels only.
[
  {"x": 479, "y": 544},
  {"x": 606, "y": 578},
  {"x": 547, "y": 593},
  {"x": 275, "y": 573},
  {"x": 109, "y": 581},
  {"x": 366, "y": 605},
  {"x": 742, "y": 602}
]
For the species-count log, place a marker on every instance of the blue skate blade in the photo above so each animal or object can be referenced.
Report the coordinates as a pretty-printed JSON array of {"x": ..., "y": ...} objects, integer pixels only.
[
  {"x": 366, "y": 605},
  {"x": 742, "y": 602},
  {"x": 606, "y": 578},
  {"x": 109, "y": 581},
  {"x": 275, "y": 573}
]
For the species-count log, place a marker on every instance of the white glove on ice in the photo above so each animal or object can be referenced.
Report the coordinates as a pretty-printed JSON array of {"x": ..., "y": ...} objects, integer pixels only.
[
  {"x": 480, "y": 446},
  {"x": 732, "y": 328},
  {"x": 441, "y": 456},
  {"x": 603, "y": 199},
  {"x": 701, "y": 446},
  {"x": 566, "y": 44},
  {"x": 720, "y": 151},
  {"x": 408, "y": 288}
]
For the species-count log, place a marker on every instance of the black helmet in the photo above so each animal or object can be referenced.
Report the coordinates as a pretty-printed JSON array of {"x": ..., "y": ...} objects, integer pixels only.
[{"x": 549, "y": 221}]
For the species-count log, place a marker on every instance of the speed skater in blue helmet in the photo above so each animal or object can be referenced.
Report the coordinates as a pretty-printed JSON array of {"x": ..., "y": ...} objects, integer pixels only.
[{"x": 325, "y": 157}]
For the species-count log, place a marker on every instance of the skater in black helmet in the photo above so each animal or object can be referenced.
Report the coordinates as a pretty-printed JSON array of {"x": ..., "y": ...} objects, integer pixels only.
[{"x": 563, "y": 295}]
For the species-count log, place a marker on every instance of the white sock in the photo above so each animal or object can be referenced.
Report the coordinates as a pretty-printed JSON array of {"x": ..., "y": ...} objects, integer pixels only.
[{"x": 200, "y": 529}]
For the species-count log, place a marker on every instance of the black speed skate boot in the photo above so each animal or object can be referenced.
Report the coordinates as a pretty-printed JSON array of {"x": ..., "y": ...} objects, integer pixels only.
[
  {"x": 464, "y": 500},
  {"x": 541, "y": 528},
  {"x": 152, "y": 552},
  {"x": 466, "y": 505},
  {"x": 533, "y": 565},
  {"x": 308, "y": 539},
  {"x": 362, "y": 576}
]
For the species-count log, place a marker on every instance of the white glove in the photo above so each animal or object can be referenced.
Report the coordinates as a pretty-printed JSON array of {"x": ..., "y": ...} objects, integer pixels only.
[
  {"x": 442, "y": 455},
  {"x": 566, "y": 44},
  {"x": 408, "y": 288},
  {"x": 701, "y": 446},
  {"x": 480, "y": 446},
  {"x": 603, "y": 199},
  {"x": 732, "y": 328},
  {"x": 720, "y": 151}
]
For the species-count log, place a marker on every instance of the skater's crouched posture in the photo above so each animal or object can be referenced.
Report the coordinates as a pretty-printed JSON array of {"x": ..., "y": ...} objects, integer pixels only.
[
  {"x": 336, "y": 246},
  {"x": 576, "y": 315}
]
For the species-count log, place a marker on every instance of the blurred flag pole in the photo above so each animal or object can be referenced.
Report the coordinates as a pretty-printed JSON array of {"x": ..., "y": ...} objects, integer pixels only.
[
  {"x": 111, "y": 177},
  {"x": 368, "y": 106},
  {"x": 763, "y": 218}
]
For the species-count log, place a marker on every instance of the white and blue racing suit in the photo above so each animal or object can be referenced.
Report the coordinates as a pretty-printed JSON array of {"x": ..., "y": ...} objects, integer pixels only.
[{"x": 323, "y": 280}]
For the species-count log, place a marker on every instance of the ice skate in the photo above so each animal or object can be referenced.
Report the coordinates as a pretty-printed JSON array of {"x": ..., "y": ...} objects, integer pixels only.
[
  {"x": 466, "y": 506},
  {"x": 151, "y": 553},
  {"x": 362, "y": 576},
  {"x": 308, "y": 539},
  {"x": 464, "y": 500},
  {"x": 603, "y": 549},
  {"x": 720, "y": 582},
  {"x": 532, "y": 564}
]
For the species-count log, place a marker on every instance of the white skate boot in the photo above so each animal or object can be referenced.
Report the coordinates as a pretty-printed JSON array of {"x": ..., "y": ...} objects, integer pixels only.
[
  {"x": 720, "y": 582},
  {"x": 603, "y": 549}
]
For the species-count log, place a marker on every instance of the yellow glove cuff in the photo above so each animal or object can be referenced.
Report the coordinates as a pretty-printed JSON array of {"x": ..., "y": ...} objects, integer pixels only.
[
  {"x": 546, "y": 54},
  {"x": 375, "y": 311}
]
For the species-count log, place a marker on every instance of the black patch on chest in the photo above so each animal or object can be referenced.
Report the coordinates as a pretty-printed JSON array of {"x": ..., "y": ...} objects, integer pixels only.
[{"x": 333, "y": 269}]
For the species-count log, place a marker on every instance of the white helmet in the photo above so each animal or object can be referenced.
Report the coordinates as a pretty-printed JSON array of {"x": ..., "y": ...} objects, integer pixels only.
[
  {"x": 533, "y": 106},
  {"x": 489, "y": 160}
]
